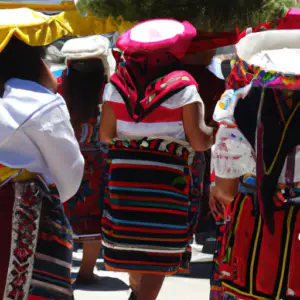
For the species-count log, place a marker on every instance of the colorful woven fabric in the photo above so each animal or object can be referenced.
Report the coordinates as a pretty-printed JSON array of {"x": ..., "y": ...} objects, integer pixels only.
[
  {"x": 243, "y": 73},
  {"x": 36, "y": 258},
  {"x": 84, "y": 209},
  {"x": 140, "y": 106},
  {"x": 22, "y": 223},
  {"x": 198, "y": 169},
  {"x": 216, "y": 289},
  {"x": 146, "y": 224},
  {"x": 245, "y": 253},
  {"x": 51, "y": 278}
]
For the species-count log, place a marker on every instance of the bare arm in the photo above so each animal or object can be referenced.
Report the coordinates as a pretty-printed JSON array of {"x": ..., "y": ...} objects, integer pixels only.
[
  {"x": 223, "y": 193},
  {"x": 228, "y": 186},
  {"x": 108, "y": 124},
  {"x": 200, "y": 136}
]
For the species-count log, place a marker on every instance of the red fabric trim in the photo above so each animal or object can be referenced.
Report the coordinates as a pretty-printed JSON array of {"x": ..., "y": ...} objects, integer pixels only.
[
  {"x": 59, "y": 85},
  {"x": 145, "y": 167},
  {"x": 291, "y": 20},
  {"x": 212, "y": 176},
  {"x": 161, "y": 114},
  {"x": 143, "y": 209},
  {"x": 206, "y": 41}
]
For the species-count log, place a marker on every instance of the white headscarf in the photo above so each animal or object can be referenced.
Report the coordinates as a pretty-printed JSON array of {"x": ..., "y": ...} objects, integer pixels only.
[{"x": 90, "y": 47}]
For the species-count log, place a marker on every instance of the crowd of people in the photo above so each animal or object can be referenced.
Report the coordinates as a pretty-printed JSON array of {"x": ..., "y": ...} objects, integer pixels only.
[{"x": 106, "y": 156}]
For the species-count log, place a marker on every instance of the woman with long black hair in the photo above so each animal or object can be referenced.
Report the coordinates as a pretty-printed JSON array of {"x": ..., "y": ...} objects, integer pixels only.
[
  {"x": 40, "y": 167},
  {"x": 89, "y": 66}
]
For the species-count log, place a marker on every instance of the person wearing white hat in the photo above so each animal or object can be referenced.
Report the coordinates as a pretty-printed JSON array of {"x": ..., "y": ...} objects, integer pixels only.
[
  {"x": 256, "y": 160},
  {"x": 89, "y": 65}
]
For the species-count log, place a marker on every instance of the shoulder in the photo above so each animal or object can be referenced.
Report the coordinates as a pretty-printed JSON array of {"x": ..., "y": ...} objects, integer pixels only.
[
  {"x": 190, "y": 92},
  {"x": 26, "y": 102},
  {"x": 111, "y": 94},
  {"x": 224, "y": 110},
  {"x": 47, "y": 116},
  {"x": 186, "y": 96}
]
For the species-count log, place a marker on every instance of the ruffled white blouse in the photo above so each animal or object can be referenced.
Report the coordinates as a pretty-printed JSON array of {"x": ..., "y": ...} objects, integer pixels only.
[
  {"x": 232, "y": 154},
  {"x": 36, "y": 135}
]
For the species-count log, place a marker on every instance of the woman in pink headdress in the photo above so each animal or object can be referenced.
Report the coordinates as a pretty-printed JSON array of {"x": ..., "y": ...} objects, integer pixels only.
[{"x": 153, "y": 121}]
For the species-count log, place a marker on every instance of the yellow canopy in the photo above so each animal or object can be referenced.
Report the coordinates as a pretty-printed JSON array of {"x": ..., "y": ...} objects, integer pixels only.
[
  {"x": 37, "y": 29},
  {"x": 89, "y": 25}
]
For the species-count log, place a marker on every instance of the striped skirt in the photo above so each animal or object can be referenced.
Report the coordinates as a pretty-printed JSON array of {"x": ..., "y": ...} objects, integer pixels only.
[
  {"x": 148, "y": 215},
  {"x": 36, "y": 251}
]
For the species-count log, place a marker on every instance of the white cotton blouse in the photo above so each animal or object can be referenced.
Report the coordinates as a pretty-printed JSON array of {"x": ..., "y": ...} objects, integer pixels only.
[
  {"x": 232, "y": 154},
  {"x": 271, "y": 50},
  {"x": 36, "y": 135},
  {"x": 157, "y": 124}
]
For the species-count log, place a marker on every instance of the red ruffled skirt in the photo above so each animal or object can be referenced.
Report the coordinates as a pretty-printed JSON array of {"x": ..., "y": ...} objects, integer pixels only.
[{"x": 84, "y": 210}]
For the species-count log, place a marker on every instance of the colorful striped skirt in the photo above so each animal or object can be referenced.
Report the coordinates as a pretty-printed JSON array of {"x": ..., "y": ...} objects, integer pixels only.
[
  {"x": 252, "y": 262},
  {"x": 36, "y": 250},
  {"x": 148, "y": 215},
  {"x": 84, "y": 210}
]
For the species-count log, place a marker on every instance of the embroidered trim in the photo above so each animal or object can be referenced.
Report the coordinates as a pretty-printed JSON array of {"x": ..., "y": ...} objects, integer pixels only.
[{"x": 25, "y": 226}]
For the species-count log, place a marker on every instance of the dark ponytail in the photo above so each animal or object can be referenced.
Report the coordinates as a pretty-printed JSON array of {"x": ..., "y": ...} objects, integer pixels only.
[{"x": 82, "y": 92}]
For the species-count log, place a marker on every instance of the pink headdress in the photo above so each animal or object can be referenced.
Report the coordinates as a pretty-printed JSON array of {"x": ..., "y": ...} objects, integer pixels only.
[
  {"x": 152, "y": 48},
  {"x": 158, "y": 35},
  {"x": 148, "y": 57}
]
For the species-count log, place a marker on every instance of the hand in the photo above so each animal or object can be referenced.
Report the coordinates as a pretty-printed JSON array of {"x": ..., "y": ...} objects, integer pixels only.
[{"x": 218, "y": 202}]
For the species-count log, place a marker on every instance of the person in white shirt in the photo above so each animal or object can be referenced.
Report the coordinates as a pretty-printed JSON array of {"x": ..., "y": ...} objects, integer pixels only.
[{"x": 41, "y": 166}]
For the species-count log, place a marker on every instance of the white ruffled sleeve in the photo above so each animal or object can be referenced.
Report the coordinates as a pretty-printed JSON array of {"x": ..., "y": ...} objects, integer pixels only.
[
  {"x": 186, "y": 96},
  {"x": 232, "y": 154},
  {"x": 52, "y": 133},
  {"x": 111, "y": 94}
]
